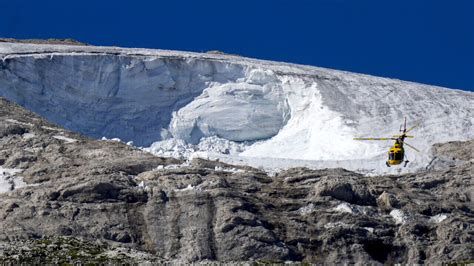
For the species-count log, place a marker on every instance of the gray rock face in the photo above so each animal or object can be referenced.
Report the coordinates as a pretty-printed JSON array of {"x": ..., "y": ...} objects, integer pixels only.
[
  {"x": 111, "y": 194},
  {"x": 451, "y": 154},
  {"x": 346, "y": 188},
  {"x": 387, "y": 201}
]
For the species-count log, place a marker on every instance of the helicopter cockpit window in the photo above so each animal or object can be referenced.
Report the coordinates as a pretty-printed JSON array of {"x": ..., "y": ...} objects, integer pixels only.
[
  {"x": 391, "y": 156},
  {"x": 398, "y": 156},
  {"x": 395, "y": 156}
]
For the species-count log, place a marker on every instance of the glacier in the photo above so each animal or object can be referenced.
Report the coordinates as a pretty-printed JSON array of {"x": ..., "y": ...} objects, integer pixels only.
[{"x": 244, "y": 111}]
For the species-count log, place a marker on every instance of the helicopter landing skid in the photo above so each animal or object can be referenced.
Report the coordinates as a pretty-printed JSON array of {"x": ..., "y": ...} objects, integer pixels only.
[
  {"x": 386, "y": 163},
  {"x": 406, "y": 162}
]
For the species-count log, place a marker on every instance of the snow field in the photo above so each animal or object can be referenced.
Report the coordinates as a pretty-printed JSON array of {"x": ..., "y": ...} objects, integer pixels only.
[{"x": 238, "y": 110}]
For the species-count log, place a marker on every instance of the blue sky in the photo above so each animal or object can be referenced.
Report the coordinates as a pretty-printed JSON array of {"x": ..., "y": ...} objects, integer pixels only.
[{"x": 427, "y": 41}]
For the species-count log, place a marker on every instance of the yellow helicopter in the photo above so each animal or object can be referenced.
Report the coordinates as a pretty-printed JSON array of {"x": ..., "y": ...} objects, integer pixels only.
[{"x": 396, "y": 154}]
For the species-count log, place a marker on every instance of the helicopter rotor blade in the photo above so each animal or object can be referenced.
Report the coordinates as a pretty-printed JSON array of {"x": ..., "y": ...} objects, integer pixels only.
[
  {"x": 411, "y": 128},
  {"x": 406, "y": 136},
  {"x": 411, "y": 146},
  {"x": 374, "y": 138}
]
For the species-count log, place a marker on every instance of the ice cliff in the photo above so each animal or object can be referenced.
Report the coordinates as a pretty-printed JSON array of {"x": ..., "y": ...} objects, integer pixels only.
[{"x": 237, "y": 109}]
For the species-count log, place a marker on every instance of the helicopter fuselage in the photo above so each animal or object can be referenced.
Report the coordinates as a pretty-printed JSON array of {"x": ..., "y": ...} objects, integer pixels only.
[{"x": 396, "y": 154}]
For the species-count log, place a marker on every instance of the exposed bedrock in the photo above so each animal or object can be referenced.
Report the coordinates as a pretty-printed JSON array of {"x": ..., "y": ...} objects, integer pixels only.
[{"x": 112, "y": 194}]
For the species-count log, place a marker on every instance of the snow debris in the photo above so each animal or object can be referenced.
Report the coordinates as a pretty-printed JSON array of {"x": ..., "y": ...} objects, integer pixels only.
[
  {"x": 28, "y": 136},
  {"x": 344, "y": 207},
  {"x": 189, "y": 187},
  {"x": 438, "y": 218},
  {"x": 175, "y": 148},
  {"x": 178, "y": 148},
  {"x": 64, "y": 138},
  {"x": 169, "y": 166},
  {"x": 144, "y": 186},
  {"x": 52, "y": 128},
  {"x": 354, "y": 209},
  {"x": 273, "y": 172},
  {"x": 336, "y": 224},
  {"x": 228, "y": 170},
  {"x": 399, "y": 216},
  {"x": 306, "y": 209},
  {"x": 218, "y": 145},
  {"x": 173, "y": 166},
  {"x": 9, "y": 180},
  {"x": 18, "y": 122},
  {"x": 112, "y": 139},
  {"x": 370, "y": 229}
]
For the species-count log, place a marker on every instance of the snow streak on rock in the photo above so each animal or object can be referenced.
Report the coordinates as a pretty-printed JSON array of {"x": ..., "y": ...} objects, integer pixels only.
[{"x": 9, "y": 180}]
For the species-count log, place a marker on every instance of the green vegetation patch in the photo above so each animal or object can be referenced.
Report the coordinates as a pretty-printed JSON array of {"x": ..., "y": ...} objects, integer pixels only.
[{"x": 60, "y": 250}]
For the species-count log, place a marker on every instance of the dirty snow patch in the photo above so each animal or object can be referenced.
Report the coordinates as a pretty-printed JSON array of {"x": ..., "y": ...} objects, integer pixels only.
[
  {"x": 18, "y": 122},
  {"x": 344, "y": 207},
  {"x": 144, "y": 186},
  {"x": 178, "y": 148},
  {"x": 28, "y": 136},
  {"x": 52, "y": 128},
  {"x": 189, "y": 187},
  {"x": 399, "y": 216},
  {"x": 354, "y": 209},
  {"x": 65, "y": 139},
  {"x": 307, "y": 209},
  {"x": 369, "y": 229},
  {"x": 112, "y": 139},
  {"x": 336, "y": 224},
  {"x": 438, "y": 218},
  {"x": 228, "y": 170},
  {"x": 9, "y": 180}
]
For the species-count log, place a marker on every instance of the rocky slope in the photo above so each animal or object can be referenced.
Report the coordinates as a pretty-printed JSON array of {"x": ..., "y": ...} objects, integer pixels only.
[{"x": 97, "y": 201}]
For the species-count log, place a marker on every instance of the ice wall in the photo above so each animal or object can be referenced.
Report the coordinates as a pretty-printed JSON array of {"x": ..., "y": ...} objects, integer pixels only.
[{"x": 134, "y": 98}]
